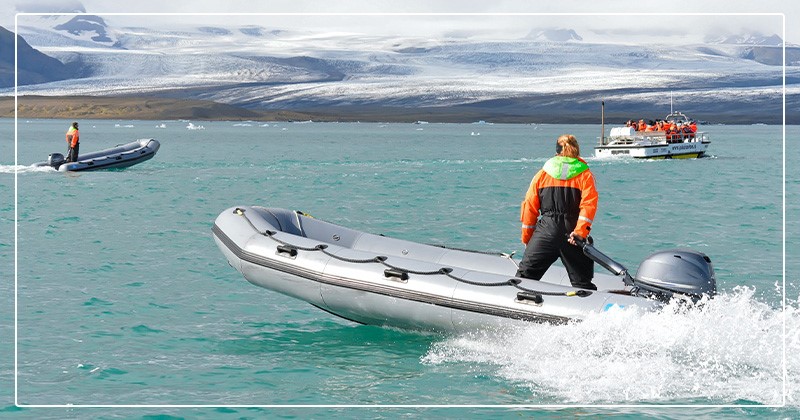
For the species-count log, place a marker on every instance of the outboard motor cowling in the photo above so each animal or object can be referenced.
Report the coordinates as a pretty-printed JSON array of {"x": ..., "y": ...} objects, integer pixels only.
[
  {"x": 677, "y": 271},
  {"x": 55, "y": 160}
]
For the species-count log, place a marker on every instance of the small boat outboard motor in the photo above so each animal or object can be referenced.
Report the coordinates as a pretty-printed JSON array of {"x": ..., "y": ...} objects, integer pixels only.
[
  {"x": 55, "y": 160},
  {"x": 677, "y": 271},
  {"x": 665, "y": 274}
]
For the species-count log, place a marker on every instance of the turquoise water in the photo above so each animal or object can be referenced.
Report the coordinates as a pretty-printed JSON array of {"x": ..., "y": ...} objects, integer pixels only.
[{"x": 124, "y": 299}]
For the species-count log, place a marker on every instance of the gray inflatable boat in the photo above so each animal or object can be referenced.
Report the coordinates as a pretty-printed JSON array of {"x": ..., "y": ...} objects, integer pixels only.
[
  {"x": 120, "y": 156},
  {"x": 377, "y": 280}
]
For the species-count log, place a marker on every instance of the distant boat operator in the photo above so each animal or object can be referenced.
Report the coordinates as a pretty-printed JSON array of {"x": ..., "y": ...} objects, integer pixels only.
[{"x": 73, "y": 142}]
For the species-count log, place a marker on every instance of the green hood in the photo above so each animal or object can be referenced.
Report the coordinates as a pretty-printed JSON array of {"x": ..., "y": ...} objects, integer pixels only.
[{"x": 561, "y": 167}]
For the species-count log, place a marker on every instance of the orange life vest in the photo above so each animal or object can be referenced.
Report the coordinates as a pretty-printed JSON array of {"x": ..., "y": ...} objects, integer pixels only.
[
  {"x": 73, "y": 136},
  {"x": 580, "y": 183}
]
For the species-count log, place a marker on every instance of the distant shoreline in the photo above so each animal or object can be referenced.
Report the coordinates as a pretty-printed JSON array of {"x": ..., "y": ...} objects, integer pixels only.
[
  {"x": 159, "y": 108},
  {"x": 133, "y": 108}
]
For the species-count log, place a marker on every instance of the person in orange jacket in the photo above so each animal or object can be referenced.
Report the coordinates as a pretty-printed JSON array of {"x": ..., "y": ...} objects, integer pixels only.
[
  {"x": 673, "y": 126},
  {"x": 559, "y": 206},
  {"x": 686, "y": 131},
  {"x": 73, "y": 142},
  {"x": 671, "y": 130}
]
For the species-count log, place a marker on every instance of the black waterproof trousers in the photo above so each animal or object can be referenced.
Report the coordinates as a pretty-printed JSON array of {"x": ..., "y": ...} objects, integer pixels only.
[
  {"x": 549, "y": 242},
  {"x": 72, "y": 153}
]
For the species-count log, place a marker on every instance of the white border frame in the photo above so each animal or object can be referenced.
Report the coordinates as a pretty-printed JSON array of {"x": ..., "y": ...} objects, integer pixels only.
[{"x": 507, "y": 406}]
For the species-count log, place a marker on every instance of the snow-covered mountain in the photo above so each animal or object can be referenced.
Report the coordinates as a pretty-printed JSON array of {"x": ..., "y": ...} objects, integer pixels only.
[
  {"x": 34, "y": 67},
  {"x": 87, "y": 26},
  {"x": 746, "y": 39},
  {"x": 554, "y": 35},
  {"x": 272, "y": 67},
  {"x": 49, "y": 6}
]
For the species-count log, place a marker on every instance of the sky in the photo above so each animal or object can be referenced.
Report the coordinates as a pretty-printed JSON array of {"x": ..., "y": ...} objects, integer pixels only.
[{"x": 592, "y": 27}]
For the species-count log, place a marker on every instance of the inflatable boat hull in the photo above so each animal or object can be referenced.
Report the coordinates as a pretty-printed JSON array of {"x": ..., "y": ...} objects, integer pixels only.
[
  {"x": 121, "y": 156},
  {"x": 375, "y": 280}
]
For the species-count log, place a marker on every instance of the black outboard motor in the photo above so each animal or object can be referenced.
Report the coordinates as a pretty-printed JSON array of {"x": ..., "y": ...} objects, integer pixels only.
[
  {"x": 665, "y": 274},
  {"x": 55, "y": 160}
]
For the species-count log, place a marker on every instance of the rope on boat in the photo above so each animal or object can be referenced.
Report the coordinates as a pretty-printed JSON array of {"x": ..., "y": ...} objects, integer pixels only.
[
  {"x": 399, "y": 271},
  {"x": 502, "y": 254}
]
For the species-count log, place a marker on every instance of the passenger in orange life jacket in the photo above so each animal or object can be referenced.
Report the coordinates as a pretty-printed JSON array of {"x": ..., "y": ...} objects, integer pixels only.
[
  {"x": 668, "y": 132},
  {"x": 642, "y": 126},
  {"x": 686, "y": 131},
  {"x": 73, "y": 142},
  {"x": 693, "y": 126},
  {"x": 672, "y": 131},
  {"x": 559, "y": 206},
  {"x": 651, "y": 126}
]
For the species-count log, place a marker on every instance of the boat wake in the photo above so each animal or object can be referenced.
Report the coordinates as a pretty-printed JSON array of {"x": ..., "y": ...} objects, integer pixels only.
[
  {"x": 726, "y": 351},
  {"x": 10, "y": 169}
]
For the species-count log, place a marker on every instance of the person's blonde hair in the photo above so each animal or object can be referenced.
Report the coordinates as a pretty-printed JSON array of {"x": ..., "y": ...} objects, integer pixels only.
[{"x": 569, "y": 145}]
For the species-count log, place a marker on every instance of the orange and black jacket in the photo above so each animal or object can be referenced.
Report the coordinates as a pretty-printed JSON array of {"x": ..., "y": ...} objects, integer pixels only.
[
  {"x": 73, "y": 137},
  {"x": 564, "y": 195}
]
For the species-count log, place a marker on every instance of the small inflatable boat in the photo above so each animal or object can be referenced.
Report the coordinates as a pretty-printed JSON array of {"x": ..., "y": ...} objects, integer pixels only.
[
  {"x": 377, "y": 280},
  {"x": 121, "y": 156}
]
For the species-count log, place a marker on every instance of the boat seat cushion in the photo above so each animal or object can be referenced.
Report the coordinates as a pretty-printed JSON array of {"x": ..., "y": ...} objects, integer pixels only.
[{"x": 280, "y": 219}]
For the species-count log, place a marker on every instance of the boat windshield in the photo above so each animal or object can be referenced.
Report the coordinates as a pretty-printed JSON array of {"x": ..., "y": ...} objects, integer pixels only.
[{"x": 678, "y": 117}]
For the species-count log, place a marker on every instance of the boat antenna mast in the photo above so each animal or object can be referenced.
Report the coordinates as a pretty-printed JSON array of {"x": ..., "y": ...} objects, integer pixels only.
[
  {"x": 670, "y": 102},
  {"x": 602, "y": 123}
]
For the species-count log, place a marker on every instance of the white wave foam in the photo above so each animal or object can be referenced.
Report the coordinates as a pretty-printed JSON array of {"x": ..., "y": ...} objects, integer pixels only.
[
  {"x": 727, "y": 351},
  {"x": 10, "y": 169}
]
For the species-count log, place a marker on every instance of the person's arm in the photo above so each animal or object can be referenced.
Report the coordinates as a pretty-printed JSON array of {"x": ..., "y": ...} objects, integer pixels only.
[
  {"x": 529, "y": 210},
  {"x": 75, "y": 138},
  {"x": 588, "y": 207}
]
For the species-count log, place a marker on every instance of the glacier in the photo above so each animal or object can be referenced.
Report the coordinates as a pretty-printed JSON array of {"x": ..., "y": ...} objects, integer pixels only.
[{"x": 260, "y": 67}]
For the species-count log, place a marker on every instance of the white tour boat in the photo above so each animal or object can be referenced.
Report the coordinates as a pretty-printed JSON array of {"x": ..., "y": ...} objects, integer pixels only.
[{"x": 626, "y": 142}]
